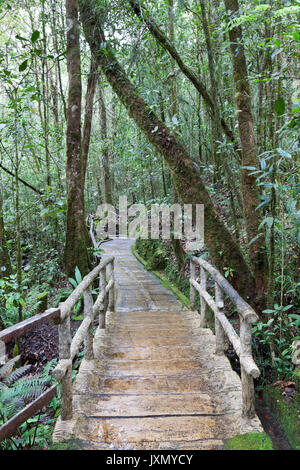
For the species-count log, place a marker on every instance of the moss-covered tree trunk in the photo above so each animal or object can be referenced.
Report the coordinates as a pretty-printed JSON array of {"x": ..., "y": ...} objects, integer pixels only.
[
  {"x": 223, "y": 249},
  {"x": 76, "y": 253},
  {"x": 250, "y": 192}
]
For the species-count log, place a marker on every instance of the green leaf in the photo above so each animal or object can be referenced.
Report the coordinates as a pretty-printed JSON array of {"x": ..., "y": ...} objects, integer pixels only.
[
  {"x": 175, "y": 120},
  {"x": 23, "y": 66},
  {"x": 21, "y": 38},
  {"x": 77, "y": 318},
  {"x": 296, "y": 36},
  {"x": 35, "y": 36},
  {"x": 279, "y": 106},
  {"x": 284, "y": 153},
  {"x": 277, "y": 43},
  {"x": 78, "y": 276},
  {"x": 73, "y": 282}
]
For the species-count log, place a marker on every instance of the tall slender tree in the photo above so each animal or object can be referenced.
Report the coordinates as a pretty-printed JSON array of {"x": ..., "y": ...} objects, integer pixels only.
[
  {"x": 5, "y": 265},
  {"x": 250, "y": 192},
  {"x": 77, "y": 239}
]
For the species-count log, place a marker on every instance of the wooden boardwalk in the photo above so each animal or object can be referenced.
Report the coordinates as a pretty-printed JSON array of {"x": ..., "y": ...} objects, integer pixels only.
[{"x": 155, "y": 382}]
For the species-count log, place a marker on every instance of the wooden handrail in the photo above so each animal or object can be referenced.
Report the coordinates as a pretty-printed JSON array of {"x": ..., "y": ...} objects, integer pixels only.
[
  {"x": 20, "y": 328},
  {"x": 244, "y": 309},
  {"x": 15, "y": 331},
  {"x": 68, "y": 347},
  {"x": 223, "y": 328},
  {"x": 67, "y": 306}
]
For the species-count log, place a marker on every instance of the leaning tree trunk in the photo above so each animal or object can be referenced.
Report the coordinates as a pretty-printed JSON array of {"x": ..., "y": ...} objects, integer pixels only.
[
  {"x": 222, "y": 247},
  {"x": 188, "y": 71},
  {"x": 76, "y": 253}
]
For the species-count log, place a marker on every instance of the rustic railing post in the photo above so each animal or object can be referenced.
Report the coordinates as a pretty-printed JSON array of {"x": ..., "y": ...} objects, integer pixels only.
[
  {"x": 102, "y": 285},
  {"x": 111, "y": 297},
  {"x": 2, "y": 353},
  {"x": 202, "y": 301},
  {"x": 88, "y": 313},
  {"x": 64, "y": 335},
  {"x": 248, "y": 395},
  {"x": 219, "y": 331},
  {"x": 192, "y": 288}
]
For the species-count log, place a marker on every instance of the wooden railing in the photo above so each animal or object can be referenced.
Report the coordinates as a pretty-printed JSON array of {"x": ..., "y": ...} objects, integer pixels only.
[
  {"x": 223, "y": 328},
  {"x": 68, "y": 347},
  {"x": 15, "y": 331}
]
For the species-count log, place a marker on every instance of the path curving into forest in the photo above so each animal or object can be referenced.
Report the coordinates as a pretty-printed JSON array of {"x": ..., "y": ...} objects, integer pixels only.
[{"x": 155, "y": 382}]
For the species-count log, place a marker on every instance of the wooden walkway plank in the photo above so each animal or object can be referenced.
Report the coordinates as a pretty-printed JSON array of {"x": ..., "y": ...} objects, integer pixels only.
[{"x": 155, "y": 382}]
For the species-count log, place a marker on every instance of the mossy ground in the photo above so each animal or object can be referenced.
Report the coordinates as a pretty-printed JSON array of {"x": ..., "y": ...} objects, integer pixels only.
[
  {"x": 249, "y": 441},
  {"x": 72, "y": 444},
  {"x": 286, "y": 413}
]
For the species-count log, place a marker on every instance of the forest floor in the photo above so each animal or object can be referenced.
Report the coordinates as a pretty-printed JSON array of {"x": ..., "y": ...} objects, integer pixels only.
[{"x": 40, "y": 345}]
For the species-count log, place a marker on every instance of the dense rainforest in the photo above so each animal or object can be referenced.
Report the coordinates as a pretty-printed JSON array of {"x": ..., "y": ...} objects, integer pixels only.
[{"x": 165, "y": 101}]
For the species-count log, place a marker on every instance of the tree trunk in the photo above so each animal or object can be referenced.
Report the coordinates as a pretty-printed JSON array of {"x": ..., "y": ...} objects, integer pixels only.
[
  {"x": 5, "y": 265},
  {"x": 223, "y": 248},
  {"x": 257, "y": 248},
  {"x": 88, "y": 116},
  {"x": 215, "y": 117},
  {"x": 76, "y": 253},
  {"x": 105, "y": 145}
]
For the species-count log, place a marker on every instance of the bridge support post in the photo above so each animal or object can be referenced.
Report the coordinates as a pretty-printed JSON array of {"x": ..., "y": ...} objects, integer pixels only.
[
  {"x": 88, "y": 313},
  {"x": 248, "y": 394},
  {"x": 192, "y": 288},
  {"x": 220, "y": 335},
  {"x": 64, "y": 334},
  {"x": 111, "y": 294},
  {"x": 102, "y": 285},
  {"x": 203, "y": 320}
]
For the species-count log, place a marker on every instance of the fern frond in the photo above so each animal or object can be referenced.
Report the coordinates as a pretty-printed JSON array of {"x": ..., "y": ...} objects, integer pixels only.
[
  {"x": 16, "y": 374},
  {"x": 6, "y": 369}
]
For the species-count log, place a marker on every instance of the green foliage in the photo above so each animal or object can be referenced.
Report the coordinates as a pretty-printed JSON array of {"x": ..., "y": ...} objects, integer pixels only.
[
  {"x": 16, "y": 391},
  {"x": 278, "y": 334},
  {"x": 286, "y": 414},
  {"x": 75, "y": 283},
  {"x": 10, "y": 298},
  {"x": 154, "y": 252}
]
